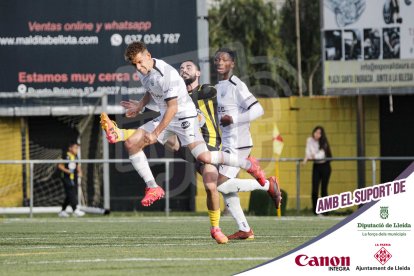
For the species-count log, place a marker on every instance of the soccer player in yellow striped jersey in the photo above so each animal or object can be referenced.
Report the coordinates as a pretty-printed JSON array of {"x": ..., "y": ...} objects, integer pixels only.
[{"x": 205, "y": 100}]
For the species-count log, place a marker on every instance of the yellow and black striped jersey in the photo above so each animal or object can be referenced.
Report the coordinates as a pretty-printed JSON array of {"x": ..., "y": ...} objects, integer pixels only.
[
  {"x": 72, "y": 167},
  {"x": 205, "y": 99}
]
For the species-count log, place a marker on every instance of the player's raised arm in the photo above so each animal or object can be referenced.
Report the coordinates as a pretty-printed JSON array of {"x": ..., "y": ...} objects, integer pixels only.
[
  {"x": 170, "y": 88},
  {"x": 169, "y": 114}
]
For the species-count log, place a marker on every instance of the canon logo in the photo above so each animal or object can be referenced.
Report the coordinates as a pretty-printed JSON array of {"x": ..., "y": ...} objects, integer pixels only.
[{"x": 303, "y": 260}]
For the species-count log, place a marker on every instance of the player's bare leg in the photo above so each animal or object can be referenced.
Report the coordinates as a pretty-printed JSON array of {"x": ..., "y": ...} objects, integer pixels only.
[
  {"x": 134, "y": 145},
  {"x": 135, "y": 142},
  {"x": 172, "y": 144},
  {"x": 210, "y": 175}
]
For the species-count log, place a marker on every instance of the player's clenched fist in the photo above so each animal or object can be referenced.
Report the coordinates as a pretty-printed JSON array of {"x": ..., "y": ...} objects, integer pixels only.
[
  {"x": 150, "y": 138},
  {"x": 226, "y": 120}
]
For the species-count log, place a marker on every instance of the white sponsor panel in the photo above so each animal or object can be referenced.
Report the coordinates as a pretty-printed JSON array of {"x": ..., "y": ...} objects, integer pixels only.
[
  {"x": 376, "y": 240},
  {"x": 367, "y": 44}
]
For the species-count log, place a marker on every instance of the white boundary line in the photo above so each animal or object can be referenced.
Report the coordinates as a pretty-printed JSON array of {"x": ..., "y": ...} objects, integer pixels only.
[
  {"x": 145, "y": 260},
  {"x": 177, "y": 219},
  {"x": 206, "y": 237},
  {"x": 106, "y": 245}
]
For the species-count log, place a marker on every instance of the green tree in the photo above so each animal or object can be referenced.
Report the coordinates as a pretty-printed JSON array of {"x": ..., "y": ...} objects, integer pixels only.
[
  {"x": 310, "y": 38},
  {"x": 251, "y": 27}
]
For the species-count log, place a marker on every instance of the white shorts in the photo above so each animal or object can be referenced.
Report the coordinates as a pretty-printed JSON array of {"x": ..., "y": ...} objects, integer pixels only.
[
  {"x": 187, "y": 130},
  {"x": 231, "y": 172}
]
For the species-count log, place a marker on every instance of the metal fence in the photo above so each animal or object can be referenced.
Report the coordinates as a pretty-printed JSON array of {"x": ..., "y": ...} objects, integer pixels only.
[
  {"x": 167, "y": 162},
  {"x": 373, "y": 161}
]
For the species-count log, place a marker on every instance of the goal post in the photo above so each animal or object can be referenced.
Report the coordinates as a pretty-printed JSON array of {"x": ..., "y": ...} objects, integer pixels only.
[
  {"x": 45, "y": 189},
  {"x": 40, "y": 127}
]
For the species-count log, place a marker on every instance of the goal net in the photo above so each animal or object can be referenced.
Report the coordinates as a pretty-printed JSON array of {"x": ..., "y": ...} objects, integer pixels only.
[
  {"x": 39, "y": 126},
  {"x": 46, "y": 138}
]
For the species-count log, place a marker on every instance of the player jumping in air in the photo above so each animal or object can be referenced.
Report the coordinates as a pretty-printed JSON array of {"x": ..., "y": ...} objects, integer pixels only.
[
  {"x": 204, "y": 97},
  {"x": 178, "y": 117},
  {"x": 205, "y": 100}
]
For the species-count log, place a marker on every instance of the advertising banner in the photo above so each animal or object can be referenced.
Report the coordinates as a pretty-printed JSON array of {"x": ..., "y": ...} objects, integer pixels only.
[
  {"x": 61, "y": 47},
  {"x": 368, "y": 46},
  {"x": 375, "y": 240}
]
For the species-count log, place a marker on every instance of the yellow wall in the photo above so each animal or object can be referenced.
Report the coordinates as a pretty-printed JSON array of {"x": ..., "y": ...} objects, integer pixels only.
[
  {"x": 10, "y": 175},
  {"x": 296, "y": 118}
]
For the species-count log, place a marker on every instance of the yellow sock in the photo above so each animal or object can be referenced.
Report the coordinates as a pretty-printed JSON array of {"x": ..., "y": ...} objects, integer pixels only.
[
  {"x": 214, "y": 217},
  {"x": 127, "y": 133}
]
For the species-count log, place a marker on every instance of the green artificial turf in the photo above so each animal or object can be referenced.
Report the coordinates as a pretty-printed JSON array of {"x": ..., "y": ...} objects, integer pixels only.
[{"x": 145, "y": 245}]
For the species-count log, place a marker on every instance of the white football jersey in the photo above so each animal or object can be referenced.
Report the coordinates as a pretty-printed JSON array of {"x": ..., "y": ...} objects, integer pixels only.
[
  {"x": 164, "y": 83},
  {"x": 234, "y": 98}
]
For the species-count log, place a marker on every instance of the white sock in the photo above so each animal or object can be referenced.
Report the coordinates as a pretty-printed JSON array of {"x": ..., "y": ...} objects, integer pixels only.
[
  {"x": 229, "y": 159},
  {"x": 216, "y": 158},
  {"x": 140, "y": 163},
  {"x": 232, "y": 202},
  {"x": 236, "y": 185}
]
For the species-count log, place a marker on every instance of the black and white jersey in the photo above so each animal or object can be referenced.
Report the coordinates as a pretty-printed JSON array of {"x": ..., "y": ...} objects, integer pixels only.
[
  {"x": 234, "y": 98},
  {"x": 164, "y": 83}
]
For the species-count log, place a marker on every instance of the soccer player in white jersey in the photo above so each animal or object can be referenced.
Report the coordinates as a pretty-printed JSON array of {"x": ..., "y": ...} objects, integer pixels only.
[
  {"x": 237, "y": 107},
  {"x": 178, "y": 117}
]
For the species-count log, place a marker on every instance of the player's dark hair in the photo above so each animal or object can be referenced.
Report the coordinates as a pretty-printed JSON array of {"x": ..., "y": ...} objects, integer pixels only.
[
  {"x": 133, "y": 49},
  {"x": 72, "y": 143},
  {"x": 66, "y": 146},
  {"x": 193, "y": 62},
  {"x": 323, "y": 141},
  {"x": 231, "y": 53}
]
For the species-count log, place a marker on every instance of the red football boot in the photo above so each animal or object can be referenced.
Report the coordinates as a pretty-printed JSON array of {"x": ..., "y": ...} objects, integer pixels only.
[
  {"x": 241, "y": 235},
  {"x": 274, "y": 191},
  {"x": 256, "y": 171},
  {"x": 152, "y": 195},
  {"x": 218, "y": 235}
]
